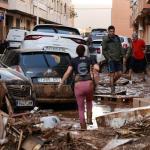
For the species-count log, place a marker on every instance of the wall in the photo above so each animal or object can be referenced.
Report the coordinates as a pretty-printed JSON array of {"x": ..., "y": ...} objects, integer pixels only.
[{"x": 121, "y": 13}]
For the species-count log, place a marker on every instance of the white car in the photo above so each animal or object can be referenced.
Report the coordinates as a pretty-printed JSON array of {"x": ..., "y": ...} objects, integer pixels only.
[
  {"x": 95, "y": 49},
  {"x": 125, "y": 41},
  {"x": 15, "y": 37},
  {"x": 54, "y": 35}
]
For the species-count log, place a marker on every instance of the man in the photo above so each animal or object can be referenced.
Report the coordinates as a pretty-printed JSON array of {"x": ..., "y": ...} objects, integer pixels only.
[
  {"x": 113, "y": 52},
  {"x": 137, "y": 63}
]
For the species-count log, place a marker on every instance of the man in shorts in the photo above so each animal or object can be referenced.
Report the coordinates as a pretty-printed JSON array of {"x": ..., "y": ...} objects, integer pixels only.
[
  {"x": 138, "y": 62},
  {"x": 113, "y": 53}
]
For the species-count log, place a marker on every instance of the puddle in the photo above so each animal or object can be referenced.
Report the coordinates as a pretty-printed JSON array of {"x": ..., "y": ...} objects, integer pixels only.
[{"x": 99, "y": 108}]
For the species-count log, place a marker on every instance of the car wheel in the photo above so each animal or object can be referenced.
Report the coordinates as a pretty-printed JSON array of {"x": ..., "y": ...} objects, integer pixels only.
[{"x": 104, "y": 68}]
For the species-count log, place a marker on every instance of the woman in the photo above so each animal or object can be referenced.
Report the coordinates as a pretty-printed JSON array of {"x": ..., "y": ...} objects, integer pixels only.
[{"x": 84, "y": 87}]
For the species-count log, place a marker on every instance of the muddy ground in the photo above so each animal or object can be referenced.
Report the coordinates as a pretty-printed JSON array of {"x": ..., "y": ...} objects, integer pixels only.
[{"x": 26, "y": 131}]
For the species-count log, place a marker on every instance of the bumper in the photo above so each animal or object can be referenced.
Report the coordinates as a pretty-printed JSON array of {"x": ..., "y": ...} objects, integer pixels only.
[
  {"x": 51, "y": 93},
  {"x": 56, "y": 100}
]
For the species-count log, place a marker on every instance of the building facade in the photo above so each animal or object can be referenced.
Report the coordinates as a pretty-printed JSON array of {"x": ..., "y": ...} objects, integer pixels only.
[
  {"x": 121, "y": 14},
  {"x": 141, "y": 18},
  {"x": 27, "y": 13}
]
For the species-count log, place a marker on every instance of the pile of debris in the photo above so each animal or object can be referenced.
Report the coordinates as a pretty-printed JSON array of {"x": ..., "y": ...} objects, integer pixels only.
[
  {"x": 124, "y": 87},
  {"x": 43, "y": 131}
]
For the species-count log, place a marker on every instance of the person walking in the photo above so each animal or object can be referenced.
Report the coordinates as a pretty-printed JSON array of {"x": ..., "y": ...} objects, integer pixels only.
[
  {"x": 114, "y": 54},
  {"x": 84, "y": 88},
  {"x": 137, "y": 52}
]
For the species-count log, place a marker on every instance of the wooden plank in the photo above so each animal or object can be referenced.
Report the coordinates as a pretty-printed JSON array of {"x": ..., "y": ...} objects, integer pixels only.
[
  {"x": 118, "y": 119},
  {"x": 140, "y": 102},
  {"x": 116, "y": 96}
]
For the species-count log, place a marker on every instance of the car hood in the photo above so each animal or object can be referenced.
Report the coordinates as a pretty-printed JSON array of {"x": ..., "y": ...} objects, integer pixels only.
[{"x": 7, "y": 74}]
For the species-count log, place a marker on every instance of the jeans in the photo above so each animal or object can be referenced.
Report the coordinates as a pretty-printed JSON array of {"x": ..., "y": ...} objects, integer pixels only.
[{"x": 84, "y": 92}]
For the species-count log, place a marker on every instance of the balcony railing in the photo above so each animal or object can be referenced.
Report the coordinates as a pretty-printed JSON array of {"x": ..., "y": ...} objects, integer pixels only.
[
  {"x": 4, "y": 4},
  {"x": 140, "y": 8}
]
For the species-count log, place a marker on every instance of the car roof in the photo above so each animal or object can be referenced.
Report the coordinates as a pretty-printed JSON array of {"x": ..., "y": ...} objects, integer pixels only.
[
  {"x": 99, "y": 29},
  {"x": 55, "y": 25}
]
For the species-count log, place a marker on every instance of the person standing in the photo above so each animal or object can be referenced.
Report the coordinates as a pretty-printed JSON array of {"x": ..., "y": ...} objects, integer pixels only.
[
  {"x": 137, "y": 62},
  {"x": 113, "y": 53},
  {"x": 81, "y": 66}
]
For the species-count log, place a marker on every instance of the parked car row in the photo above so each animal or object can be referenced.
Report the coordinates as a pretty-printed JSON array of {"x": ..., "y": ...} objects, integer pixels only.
[
  {"x": 41, "y": 57},
  {"x": 45, "y": 68},
  {"x": 94, "y": 42}
]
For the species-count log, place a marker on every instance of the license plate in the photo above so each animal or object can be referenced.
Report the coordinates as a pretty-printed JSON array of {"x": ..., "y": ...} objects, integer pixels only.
[
  {"x": 14, "y": 44},
  {"x": 24, "y": 103},
  {"x": 54, "y": 48},
  {"x": 49, "y": 80}
]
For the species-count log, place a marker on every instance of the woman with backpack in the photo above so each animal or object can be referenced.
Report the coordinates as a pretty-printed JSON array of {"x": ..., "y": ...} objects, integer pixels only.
[{"x": 84, "y": 87}]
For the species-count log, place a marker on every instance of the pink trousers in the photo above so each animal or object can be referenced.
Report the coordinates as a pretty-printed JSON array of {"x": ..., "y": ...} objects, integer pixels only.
[{"x": 84, "y": 93}]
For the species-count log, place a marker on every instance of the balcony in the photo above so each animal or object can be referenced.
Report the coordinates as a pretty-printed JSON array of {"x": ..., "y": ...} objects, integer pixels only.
[
  {"x": 4, "y": 4},
  {"x": 142, "y": 8},
  {"x": 20, "y": 5}
]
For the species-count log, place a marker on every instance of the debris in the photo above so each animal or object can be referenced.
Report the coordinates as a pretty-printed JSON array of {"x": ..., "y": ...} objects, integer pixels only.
[
  {"x": 32, "y": 143},
  {"x": 49, "y": 122},
  {"x": 3, "y": 123},
  {"x": 119, "y": 119},
  {"x": 20, "y": 140},
  {"x": 115, "y": 143}
]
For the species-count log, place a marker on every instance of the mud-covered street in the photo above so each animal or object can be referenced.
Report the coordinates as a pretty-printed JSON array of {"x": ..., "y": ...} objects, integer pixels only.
[{"x": 57, "y": 127}]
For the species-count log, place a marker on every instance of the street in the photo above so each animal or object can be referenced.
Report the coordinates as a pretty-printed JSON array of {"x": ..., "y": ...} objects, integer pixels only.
[{"x": 75, "y": 75}]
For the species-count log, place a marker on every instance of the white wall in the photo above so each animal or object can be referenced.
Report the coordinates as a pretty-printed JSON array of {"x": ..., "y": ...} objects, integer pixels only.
[{"x": 93, "y": 17}]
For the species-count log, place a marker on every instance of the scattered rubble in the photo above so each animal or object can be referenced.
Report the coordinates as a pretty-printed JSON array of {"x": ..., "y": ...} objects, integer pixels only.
[
  {"x": 45, "y": 130},
  {"x": 119, "y": 119}
]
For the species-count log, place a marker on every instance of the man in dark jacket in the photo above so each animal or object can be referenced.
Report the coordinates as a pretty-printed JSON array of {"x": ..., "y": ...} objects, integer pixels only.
[{"x": 114, "y": 53}]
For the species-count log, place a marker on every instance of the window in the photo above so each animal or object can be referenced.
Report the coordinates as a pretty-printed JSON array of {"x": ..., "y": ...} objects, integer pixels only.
[
  {"x": 65, "y": 30},
  {"x": 44, "y": 60},
  {"x": 28, "y": 24},
  {"x": 18, "y": 23},
  {"x": 45, "y": 29},
  {"x": 121, "y": 39}
]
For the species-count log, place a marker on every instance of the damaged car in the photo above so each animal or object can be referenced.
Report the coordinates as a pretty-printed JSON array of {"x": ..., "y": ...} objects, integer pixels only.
[
  {"x": 45, "y": 68},
  {"x": 15, "y": 89}
]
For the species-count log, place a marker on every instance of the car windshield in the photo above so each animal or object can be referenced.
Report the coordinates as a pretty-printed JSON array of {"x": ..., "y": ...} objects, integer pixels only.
[
  {"x": 121, "y": 39},
  {"x": 57, "y": 29},
  {"x": 44, "y": 60},
  {"x": 99, "y": 31},
  {"x": 65, "y": 30},
  {"x": 45, "y": 29}
]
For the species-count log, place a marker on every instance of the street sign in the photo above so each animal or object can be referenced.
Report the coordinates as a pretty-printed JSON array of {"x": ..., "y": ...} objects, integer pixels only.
[{"x": 1, "y": 16}]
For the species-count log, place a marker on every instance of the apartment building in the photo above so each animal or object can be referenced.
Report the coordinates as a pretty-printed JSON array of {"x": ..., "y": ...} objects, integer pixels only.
[
  {"x": 141, "y": 18},
  {"x": 121, "y": 14},
  {"x": 27, "y": 13}
]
